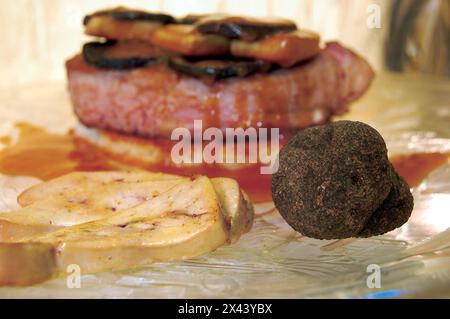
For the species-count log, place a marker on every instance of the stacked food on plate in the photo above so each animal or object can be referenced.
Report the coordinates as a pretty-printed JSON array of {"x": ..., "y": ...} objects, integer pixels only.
[{"x": 148, "y": 74}]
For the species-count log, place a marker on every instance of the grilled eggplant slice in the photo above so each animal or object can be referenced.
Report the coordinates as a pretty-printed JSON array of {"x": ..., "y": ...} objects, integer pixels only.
[
  {"x": 122, "y": 55},
  {"x": 243, "y": 28},
  {"x": 285, "y": 49},
  {"x": 124, "y": 24},
  {"x": 125, "y": 14},
  {"x": 218, "y": 69},
  {"x": 186, "y": 40}
]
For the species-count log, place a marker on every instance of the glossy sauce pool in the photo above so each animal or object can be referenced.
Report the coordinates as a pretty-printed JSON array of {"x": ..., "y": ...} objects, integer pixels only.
[{"x": 47, "y": 155}]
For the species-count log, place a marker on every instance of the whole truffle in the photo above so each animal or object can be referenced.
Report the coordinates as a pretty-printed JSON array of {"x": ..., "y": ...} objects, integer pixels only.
[{"x": 335, "y": 181}]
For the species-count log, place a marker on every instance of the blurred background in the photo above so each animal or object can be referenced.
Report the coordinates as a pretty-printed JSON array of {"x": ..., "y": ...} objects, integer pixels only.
[{"x": 401, "y": 35}]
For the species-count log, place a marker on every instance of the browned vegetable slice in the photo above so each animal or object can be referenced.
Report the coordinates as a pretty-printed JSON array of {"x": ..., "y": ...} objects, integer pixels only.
[
  {"x": 286, "y": 49},
  {"x": 218, "y": 69},
  {"x": 195, "y": 18},
  {"x": 244, "y": 28},
  {"x": 124, "y": 24},
  {"x": 121, "y": 55},
  {"x": 186, "y": 40}
]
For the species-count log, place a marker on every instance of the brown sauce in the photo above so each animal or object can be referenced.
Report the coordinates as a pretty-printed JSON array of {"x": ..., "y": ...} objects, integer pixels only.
[
  {"x": 47, "y": 155},
  {"x": 414, "y": 168}
]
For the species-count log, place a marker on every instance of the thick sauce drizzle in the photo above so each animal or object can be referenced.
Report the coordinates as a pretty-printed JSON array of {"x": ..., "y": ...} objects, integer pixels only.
[{"x": 47, "y": 155}]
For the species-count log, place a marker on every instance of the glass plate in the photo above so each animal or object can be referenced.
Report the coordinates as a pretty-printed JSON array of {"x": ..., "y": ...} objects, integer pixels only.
[{"x": 273, "y": 261}]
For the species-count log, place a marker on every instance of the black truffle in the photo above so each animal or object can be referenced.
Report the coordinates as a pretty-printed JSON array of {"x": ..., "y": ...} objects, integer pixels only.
[
  {"x": 335, "y": 181},
  {"x": 393, "y": 212}
]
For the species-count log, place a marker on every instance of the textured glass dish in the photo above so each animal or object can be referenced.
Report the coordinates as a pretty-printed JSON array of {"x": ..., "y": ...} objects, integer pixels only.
[{"x": 273, "y": 261}]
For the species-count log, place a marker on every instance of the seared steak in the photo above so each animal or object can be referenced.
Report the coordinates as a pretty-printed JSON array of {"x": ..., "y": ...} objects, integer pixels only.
[{"x": 154, "y": 100}]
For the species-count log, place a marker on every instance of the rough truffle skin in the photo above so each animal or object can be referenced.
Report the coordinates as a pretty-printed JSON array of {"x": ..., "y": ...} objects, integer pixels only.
[
  {"x": 333, "y": 181},
  {"x": 393, "y": 212}
]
